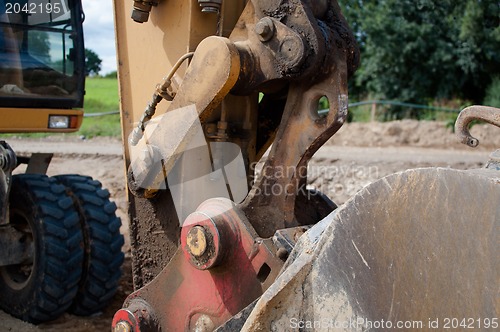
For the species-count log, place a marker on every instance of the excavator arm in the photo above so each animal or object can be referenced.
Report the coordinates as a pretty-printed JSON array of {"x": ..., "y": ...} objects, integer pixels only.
[
  {"x": 293, "y": 53},
  {"x": 210, "y": 253}
]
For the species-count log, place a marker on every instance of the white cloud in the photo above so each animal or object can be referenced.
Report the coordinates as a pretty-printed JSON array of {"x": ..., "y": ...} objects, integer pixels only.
[{"x": 99, "y": 33}]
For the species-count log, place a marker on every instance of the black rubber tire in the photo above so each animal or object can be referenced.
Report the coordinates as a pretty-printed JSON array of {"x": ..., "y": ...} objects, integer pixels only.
[
  {"x": 43, "y": 290},
  {"x": 103, "y": 243}
]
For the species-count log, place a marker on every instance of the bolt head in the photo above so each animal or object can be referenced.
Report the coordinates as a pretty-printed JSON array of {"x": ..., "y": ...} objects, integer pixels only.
[
  {"x": 264, "y": 29},
  {"x": 203, "y": 239},
  {"x": 122, "y": 326},
  {"x": 197, "y": 241},
  {"x": 292, "y": 50},
  {"x": 204, "y": 324},
  {"x": 140, "y": 16}
]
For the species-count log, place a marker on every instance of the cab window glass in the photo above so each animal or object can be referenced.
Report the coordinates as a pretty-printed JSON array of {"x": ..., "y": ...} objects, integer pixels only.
[{"x": 37, "y": 49}]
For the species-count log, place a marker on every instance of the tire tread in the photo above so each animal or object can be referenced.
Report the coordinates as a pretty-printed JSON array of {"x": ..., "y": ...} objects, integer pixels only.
[
  {"x": 105, "y": 257},
  {"x": 61, "y": 254}
]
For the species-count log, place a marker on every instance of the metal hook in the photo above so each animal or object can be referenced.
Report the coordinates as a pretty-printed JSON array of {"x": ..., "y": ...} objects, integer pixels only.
[{"x": 483, "y": 113}]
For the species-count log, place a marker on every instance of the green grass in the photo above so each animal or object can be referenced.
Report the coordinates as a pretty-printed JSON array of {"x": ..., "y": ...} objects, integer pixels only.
[
  {"x": 101, "y": 96},
  {"x": 361, "y": 113}
]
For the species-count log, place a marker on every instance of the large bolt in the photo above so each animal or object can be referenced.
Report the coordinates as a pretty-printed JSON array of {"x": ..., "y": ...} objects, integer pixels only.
[
  {"x": 136, "y": 317},
  {"x": 201, "y": 242},
  {"x": 207, "y": 235},
  {"x": 265, "y": 29}
]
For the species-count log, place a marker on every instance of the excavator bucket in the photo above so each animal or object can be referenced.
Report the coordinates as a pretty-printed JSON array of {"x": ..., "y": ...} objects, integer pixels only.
[{"x": 415, "y": 250}]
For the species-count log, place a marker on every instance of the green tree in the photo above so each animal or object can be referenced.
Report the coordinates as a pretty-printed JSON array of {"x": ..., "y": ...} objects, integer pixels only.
[
  {"x": 92, "y": 63},
  {"x": 112, "y": 74},
  {"x": 493, "y": 93},
  {"x": 422, "y": 50}
]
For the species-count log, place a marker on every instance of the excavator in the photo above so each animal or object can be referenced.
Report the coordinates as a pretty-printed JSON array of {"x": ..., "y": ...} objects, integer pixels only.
[
  {"x": 219, "y": 106},
  {"x": 59, "y": 235},
  {"x": 219, "y": 113}
]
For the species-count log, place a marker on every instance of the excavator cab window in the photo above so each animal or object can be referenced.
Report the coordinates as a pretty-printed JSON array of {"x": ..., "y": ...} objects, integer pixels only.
[{"x": 41, "y": 54}]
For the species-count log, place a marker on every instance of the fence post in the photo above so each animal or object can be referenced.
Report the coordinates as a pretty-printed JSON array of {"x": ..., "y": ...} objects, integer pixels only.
[{"x": 373, "y": 112}]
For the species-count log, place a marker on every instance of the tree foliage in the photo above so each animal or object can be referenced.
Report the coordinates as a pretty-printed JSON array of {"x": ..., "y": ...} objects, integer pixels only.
[
  {"x": 92, "y": 63},
  {"x": 422, "y": 50},
  {"x": 493, "y": 93},
  {"x": 39, "y": 44},
  {"x": 112, "y": 74}
]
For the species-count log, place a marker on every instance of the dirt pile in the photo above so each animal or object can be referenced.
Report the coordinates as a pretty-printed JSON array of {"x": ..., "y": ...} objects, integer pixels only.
[{"x": 428, "y": 134}]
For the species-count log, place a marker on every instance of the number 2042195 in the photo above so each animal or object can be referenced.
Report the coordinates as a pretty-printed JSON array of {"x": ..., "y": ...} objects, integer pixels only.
[{"x": 33, "y": 8}]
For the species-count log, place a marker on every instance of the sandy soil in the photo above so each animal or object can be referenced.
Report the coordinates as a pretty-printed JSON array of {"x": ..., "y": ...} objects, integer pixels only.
[{"x": 358, "y": 155}]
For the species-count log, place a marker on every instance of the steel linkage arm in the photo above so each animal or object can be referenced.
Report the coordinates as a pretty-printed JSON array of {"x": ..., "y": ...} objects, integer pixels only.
[{"x": 311, "y": 48}]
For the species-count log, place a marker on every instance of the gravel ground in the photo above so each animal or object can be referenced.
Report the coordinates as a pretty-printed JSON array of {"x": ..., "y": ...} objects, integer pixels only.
[{"x": 358, "y": 155}]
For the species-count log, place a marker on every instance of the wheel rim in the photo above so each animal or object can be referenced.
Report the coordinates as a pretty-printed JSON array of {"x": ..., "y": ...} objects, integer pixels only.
[{"x": 17, "y": 276}]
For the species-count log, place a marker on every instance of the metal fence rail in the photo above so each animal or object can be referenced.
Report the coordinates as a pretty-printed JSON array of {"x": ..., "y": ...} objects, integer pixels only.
[
  {"x": 91, "y": 115},
  {"x": 374, "y": 104}
]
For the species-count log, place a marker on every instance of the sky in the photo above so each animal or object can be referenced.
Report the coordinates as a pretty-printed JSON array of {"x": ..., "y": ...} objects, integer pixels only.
[{"x": 98, "y": 32}]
